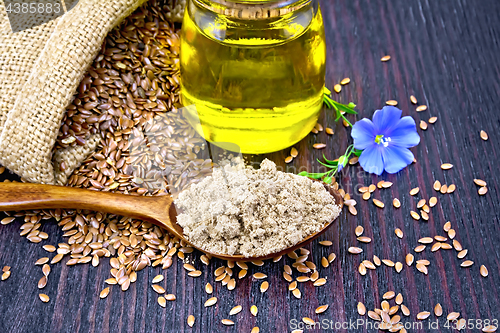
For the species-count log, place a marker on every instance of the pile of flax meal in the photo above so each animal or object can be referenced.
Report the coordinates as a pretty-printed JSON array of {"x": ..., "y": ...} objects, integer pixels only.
[{"x": 241, "y": 210}]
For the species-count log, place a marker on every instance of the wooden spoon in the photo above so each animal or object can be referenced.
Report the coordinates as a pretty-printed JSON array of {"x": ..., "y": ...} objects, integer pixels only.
[{"x": 158, "y": 210}]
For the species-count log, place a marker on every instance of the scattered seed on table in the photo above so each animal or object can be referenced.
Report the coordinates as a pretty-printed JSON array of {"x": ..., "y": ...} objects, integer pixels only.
[
  {"x": 319, "y": 282},
  {"x": 294, "y": 152},
  {"x": 378, "y": 203},
  {"x": 157, "y": 279},
  {"x": 366, "y": 195},
  {"x": 190, "y": 320},
  {"x": 345, "y": 81},
  {"x": 446, "y": 166},
  {"x": 467, "y": 263},
  {"x": 259, "y": 276},
  {"x": 211, "y": 301},
  {"x": 423, "y": 125},
  {"x": 413, "y": 99},
  {"x": 361, "y": 309},
  {"x": 159, "y": 289},
  {"x": 44, "y": 298},
  {"x": 46, "y": 270},
  {"x": 5, "y": 275},
  {"x": 451, "y": 188},
  {"x": 42, "y": 261},
  {"x": 399, "y": 299},
  {"x": 447, "y": 226},
  {"x": 162, "y": 301},
  {"x": 396, "y": 203},
  {"x": 409, "y": 259},
  {"x": 399, "y": 267},
  {"x": 321, "y": 309},
  {"x": 479, "y": 182},
  {"x": 7, "y": 220},
  {"x": 457, "y": 246},
  {"x": 421, "y": 203},
  {"x": 362, "y": 269},
  {"x": 329, "y": 131},
  {"x": 355, "y": 250},
  {"x": 490, "y": 329},
  {"x": 483, "y": 270},
  {"x": 359, "y": 230},
  {"x": 482, "y": 190},
  {"x": 227, "y": 322},
  {"x": 437, "y": 185},
  {"x": 423, "y": 315},
  {"x": 419, "y": 248},
  {"x": 288, "y": 159},
  {"x": 389, "y": 295},
  {"x": 391, "y": 102},
  {"x": 255, "y": 330},
  {"x": 388, "y": 262},
  {"x": 385, "y": 308},
  {"x": 426, "y": 240},
  {"x": 353, "y": 160},
  {"x": 385, "y": 58},
  {"x": 415, "y": 215},
  {"x": 297, "y": 293},
  {"x": 435, "y": 247},
  {"x": 422, "y": 268},
  {"x": 462, "y": 254},
  {"x": 368, "y": 264},
  {"x": 421, "y": 108},
  {"x": 364, "y": 239},
  {"x": 254, "y": 310},
  {"x": 337, "y": 88},
  {"x": 451, "y": 233},
  {"x": 235, "y": 310},
  {"x": 432, "y": 201},
  {"x": 453, "y": 315},
  {"x": 326, "y": 243},
  {"x": 432, "y": 120},
  {"x": 398, "y": 232},
  {"x": 483, "y": 135},
  {"x": 319, "y": 145},
  {"x": 373, "y": 315}
]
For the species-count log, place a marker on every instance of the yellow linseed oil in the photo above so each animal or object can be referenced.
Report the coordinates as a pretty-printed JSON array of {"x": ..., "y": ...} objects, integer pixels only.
[{"x": 256, "y": 81}]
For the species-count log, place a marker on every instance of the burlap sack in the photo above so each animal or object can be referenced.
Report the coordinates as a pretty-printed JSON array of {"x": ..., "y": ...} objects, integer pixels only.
[{"x": 40, "y": 69}]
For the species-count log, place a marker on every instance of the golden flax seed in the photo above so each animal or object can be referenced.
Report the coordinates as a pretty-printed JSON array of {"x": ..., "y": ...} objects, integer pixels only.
[
  {"x": 432, "y": 120},
  {"x": 388, "y": 262},
  {"x": 398, "y": 232},
  {"x": 359, "y": 230},
  {"x": 345, "y": 81},
  {"x": 409, "y": 259},
  {"x": 451, "y": 233},
  {"x": 190, "y": 321},
  {"x": 321, "y": 309},
  {"x": 44, "y": 298},
  {"x": 483, "y": 135},
  {"x": 355, "y": 250},
  {"x": 423, "y": 315},
  {"x": 479, "y": 182},
  {"x": 294, "y": 152},
  {"x": 391, "y": 102},
  {"x": 482, "y": 190},
  {"x": 396, "y": 203},
  {"x": 378, "y": 203},
  {"x": 432, "y": 201},
  {"x": 385, "y": 58},
  {"x": 297, "y": 293},
  {"x": 467, "y": 263},
  {"x": 211, "y": 301},
  {"x": 483, "y": 270},
  {"x": 421, "y": 108},
  {"x": 337, "y": 88},
  {"x": 415, "y": 215},
  {"x": 326, "y": 243},
  {"x": 227, "y": 322},
  {"x": 235, "y": 310},
  {"x": 288, "y": 159}
]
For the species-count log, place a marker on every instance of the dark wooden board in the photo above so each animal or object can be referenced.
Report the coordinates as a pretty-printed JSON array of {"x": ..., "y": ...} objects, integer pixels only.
[{"x": 446, "y": 53}]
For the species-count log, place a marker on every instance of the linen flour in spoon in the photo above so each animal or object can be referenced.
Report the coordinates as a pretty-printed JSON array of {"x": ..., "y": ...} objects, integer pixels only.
[{"x": 241, "y": 210}]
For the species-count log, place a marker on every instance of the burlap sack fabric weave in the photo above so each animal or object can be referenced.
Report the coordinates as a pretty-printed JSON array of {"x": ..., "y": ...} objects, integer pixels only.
[{"x": 40, "y": 69}]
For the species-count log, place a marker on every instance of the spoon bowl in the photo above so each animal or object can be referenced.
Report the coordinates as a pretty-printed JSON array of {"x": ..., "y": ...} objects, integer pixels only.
[{"x": 159, "y": 210}]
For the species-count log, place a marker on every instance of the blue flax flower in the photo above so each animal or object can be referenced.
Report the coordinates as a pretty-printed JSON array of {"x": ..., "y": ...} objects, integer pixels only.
[{"x": 385, "y": 140}]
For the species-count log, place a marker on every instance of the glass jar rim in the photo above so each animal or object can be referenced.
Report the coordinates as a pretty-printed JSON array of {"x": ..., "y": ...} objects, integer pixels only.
[{"x": 253, "y": 9}]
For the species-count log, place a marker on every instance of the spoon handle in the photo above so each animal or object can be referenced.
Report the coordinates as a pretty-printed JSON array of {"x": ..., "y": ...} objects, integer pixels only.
[{"x": 22, "y": 196}]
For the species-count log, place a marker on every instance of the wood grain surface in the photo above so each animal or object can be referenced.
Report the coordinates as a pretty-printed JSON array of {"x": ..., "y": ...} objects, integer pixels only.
[{"x": 446, "y": 53}]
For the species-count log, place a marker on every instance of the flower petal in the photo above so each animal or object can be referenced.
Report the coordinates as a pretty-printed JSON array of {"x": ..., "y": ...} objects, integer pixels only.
[
  {"x": 363, "y": 133},
  {"x": 385, "y": 119},
  {"x": 396, "y": 158},
  {"x": 371, "y": 159},
  {"x": 404, "y": 134}
]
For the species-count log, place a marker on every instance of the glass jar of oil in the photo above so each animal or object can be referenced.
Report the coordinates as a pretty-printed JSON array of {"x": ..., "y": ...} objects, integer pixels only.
[{"x": 254, "y": 69}]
